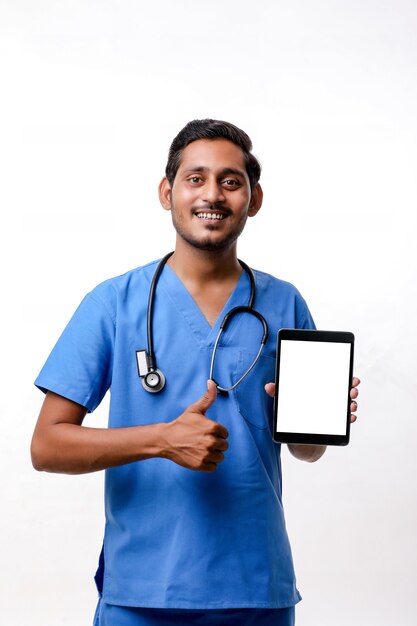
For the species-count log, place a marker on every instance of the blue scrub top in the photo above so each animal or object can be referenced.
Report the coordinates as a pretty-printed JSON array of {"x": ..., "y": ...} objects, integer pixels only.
[{"x": 174, "y": 537}]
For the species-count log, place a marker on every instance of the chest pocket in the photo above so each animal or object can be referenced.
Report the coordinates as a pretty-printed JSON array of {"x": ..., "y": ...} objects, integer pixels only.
[{"x": 252, "y": 401}]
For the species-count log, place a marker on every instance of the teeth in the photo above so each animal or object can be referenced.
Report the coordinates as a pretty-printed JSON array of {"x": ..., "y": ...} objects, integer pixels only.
[{"x": 210, "y": 216}]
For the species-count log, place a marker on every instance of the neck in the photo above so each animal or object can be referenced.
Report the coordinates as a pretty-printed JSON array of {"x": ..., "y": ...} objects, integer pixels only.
[{"x": 200, "y": 266}]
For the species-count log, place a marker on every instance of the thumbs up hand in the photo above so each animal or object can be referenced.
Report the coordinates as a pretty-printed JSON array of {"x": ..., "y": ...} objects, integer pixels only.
[{"x": 195, "y": 441}]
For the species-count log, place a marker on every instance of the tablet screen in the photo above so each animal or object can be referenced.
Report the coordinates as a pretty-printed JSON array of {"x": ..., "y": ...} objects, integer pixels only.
[{"x": 314, "y": 373}]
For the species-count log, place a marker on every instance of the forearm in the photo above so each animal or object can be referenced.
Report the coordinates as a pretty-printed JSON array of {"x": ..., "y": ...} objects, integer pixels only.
[
  {"x": 306, "y": 452},
  {"x": 62, "y": 444},
  {"x": 75, "y": 449}
]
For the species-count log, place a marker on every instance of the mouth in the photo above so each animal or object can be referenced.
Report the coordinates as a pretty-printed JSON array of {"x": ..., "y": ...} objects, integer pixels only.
[{"x": 211, "y": 215}]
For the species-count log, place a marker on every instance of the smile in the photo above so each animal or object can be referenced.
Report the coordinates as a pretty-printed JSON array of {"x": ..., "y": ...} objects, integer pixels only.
[{"x": 210, "y": 216}]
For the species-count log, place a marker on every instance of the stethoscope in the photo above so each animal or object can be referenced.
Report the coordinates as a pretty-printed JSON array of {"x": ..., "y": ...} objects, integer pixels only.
[{"x": 153, "y": 380}]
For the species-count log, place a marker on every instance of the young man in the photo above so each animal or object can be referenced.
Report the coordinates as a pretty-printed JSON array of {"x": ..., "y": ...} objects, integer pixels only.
[{"x": 195, "y": 530}]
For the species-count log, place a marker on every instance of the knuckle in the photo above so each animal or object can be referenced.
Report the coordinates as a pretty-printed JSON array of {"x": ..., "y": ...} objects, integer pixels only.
[{"x": 212, "y": 444}]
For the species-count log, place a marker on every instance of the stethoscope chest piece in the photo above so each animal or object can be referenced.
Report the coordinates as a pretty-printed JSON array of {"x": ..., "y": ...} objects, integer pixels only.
[
  {"x": 152, "y": 378},
  {"x": 153, "y": 381}
]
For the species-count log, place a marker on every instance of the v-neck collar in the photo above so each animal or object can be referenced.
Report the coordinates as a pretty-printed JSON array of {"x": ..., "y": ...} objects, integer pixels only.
[{"x": 192, "y": 314}]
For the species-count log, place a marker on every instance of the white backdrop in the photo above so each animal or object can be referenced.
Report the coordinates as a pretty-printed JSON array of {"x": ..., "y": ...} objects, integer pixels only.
[{"x": 92, "y": 93}]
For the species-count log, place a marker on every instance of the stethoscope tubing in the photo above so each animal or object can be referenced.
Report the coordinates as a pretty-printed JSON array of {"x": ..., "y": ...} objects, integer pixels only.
[
  {"x": 236, "y": 310},
  {"x": 151, "y": 300}
]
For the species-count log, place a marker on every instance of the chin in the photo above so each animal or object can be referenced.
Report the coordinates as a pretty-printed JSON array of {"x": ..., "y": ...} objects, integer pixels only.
[{"x": 209, "y": 244}]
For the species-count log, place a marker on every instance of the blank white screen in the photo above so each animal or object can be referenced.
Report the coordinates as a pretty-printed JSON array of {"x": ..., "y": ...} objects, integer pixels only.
[{"x": 313, "y": 387}]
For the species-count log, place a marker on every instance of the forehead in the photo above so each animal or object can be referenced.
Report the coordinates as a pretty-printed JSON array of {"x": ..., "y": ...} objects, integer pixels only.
[{"x": 213, "y": 154}]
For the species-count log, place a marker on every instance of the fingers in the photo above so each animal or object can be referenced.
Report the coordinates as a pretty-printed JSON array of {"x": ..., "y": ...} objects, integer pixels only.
[
  {"x": 218, "y": 444},
  {"x": 220, "y": 431},
  {"x": 353, "y": 395},
  {"x": 208, "y": 467},
  {"x": 353, "y": 407},
  {"x": 216, "y": 457},
  {"x": 213, "y": 455}
]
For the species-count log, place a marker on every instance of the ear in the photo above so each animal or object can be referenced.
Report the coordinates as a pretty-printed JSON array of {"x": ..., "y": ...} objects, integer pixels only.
[
  {"x": 164, "y": 190},
  {"x": 256, "y": 200}
]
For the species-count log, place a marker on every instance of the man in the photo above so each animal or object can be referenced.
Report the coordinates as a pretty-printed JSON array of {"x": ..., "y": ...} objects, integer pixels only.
[{"x": 195, "y": 531}]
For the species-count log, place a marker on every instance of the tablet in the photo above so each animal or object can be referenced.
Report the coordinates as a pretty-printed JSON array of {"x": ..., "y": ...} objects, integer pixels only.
[{"x": 314, "y": 370}]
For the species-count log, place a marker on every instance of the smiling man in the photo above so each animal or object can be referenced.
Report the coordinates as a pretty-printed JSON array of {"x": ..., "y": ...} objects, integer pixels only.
[
  {"x": 195, "y": 530},
  {"x": 210, "y": 200}
]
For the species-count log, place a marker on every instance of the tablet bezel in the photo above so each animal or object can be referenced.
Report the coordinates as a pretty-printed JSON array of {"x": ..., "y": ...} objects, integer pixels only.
[{"x": 321, "y": 336}]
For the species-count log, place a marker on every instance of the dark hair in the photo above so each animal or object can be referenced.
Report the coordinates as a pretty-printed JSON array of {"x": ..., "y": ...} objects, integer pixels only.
[{"x": 212, "y": 129}]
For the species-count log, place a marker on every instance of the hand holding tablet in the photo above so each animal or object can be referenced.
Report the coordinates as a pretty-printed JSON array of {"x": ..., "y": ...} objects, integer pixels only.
[{"x": 302, "y": 415}]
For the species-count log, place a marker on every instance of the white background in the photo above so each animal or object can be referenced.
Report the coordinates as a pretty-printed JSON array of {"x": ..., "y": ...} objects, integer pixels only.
[{"x": 92, "y": 92}]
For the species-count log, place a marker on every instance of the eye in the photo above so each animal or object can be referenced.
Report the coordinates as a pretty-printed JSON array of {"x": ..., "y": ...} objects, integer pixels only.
[
  {"x": 230, "y": 182},
  {"x": 195, "y": 180}
]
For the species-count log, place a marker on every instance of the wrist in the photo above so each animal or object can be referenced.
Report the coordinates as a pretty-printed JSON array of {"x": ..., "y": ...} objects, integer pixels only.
[{"x": 159, "y": 445}]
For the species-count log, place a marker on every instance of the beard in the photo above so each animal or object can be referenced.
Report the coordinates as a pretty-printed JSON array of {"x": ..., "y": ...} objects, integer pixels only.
[{"x": 207, "y": 243}]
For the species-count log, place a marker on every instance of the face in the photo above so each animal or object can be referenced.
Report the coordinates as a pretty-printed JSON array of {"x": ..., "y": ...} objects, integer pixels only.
[{"x": 210, "y": 198}]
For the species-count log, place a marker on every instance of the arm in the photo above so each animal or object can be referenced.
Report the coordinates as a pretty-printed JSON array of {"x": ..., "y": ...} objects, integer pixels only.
[
  {"x": 62, "y": 444},
  {"x": 311, "y": 453}
]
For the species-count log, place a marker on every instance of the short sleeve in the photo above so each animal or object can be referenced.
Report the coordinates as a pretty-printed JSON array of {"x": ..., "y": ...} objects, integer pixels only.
[
  {"x": 80, "y": 365},
  {"x": 303, "y": 317}
]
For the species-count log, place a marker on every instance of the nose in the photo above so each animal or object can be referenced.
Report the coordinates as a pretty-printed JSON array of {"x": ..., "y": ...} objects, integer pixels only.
[{"x": 213, "y": 192}]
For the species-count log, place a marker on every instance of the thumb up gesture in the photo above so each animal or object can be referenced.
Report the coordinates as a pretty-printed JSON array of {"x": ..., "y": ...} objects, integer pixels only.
[{"x": 195, "y": 441}]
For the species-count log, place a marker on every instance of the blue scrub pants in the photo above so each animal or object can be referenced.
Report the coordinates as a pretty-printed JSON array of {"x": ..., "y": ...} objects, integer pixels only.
[{"x": 111, "y": 615}]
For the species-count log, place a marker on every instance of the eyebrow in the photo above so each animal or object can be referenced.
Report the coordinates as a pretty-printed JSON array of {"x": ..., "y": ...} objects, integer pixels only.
[{"x": 224, "y": 172}]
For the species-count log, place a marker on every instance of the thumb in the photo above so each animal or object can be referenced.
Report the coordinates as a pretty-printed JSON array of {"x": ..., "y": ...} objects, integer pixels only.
[{"x": 207, "y": 399}]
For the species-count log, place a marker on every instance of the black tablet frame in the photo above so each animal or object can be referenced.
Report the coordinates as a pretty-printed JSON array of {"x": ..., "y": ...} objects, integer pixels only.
[{"x": 313, "y": 335}]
